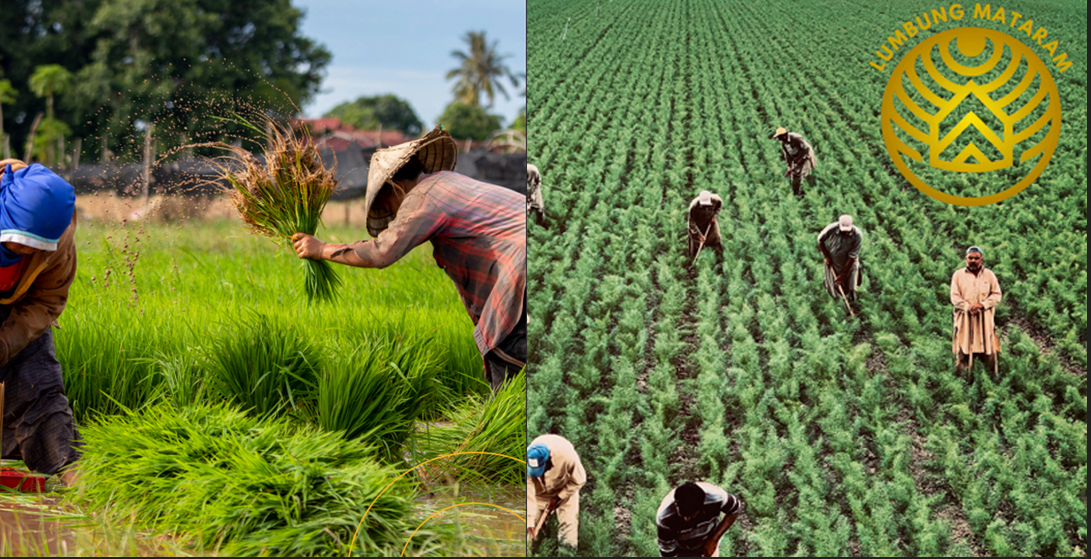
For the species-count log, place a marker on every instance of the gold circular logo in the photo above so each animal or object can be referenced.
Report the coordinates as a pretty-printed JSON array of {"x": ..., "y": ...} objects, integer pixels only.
[{"x": 936, "y": 116}]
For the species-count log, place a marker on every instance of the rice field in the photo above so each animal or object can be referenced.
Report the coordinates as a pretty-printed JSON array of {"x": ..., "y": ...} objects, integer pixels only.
[{"x": 193, "y": 359}]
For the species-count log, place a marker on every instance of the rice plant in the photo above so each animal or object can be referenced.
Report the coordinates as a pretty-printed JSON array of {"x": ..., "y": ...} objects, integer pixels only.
[
  {"x": 262, "y": 366},
  {"x": 376, "y": 392},
  {"x": 238, "y": 485},
  {"x": 284, "y": 194},
  {"x": 495, "y": 425}
]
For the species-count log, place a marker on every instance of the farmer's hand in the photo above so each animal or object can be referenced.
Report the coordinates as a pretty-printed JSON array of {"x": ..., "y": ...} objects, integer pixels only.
[
  {"x": 826, "y": 259},
  {"x": 976, "y": 308},
  {"x": 532, "y": 533},
  {"x": 307, "y": 246},
  {"x": 553, "y": 504}
]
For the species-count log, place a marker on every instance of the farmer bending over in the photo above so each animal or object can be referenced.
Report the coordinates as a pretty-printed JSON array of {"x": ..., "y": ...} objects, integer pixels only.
[
  {"x": 799, "y": 156},
  {"x": 37, "y": 264},
  {"x": 554, "y": 478},
  {"x": 840, "y": 244},
  {"x": 689, "y": 523},
  {"x": 535, "y": 203},
  {"x": 701, "y": 225},
  {"x": 478, "y": 233}
]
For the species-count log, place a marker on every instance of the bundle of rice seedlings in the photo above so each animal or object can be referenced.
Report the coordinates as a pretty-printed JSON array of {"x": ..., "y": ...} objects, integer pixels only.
[
  {"x": 235, "y": 485},
  {"x": 377, "y": 392},
  {"x": 263, "y": 367},
  {"x": 283, "y": 194},
  {"x": 494, "y": 425}
]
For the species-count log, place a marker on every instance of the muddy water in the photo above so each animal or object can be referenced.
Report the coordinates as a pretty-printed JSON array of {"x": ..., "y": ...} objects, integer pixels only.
[
  {"x": 27, "y": 527},
  {"x": 26, "y": 531},
  {"x": 486, "y": 531}
]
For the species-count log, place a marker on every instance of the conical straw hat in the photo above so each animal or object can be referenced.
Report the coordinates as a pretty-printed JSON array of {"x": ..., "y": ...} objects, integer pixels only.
[{"x": 437, "y": 152}]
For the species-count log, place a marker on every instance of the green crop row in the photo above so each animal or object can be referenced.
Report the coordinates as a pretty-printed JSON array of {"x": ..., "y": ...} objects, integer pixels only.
[{"x": 843, "y": 436}]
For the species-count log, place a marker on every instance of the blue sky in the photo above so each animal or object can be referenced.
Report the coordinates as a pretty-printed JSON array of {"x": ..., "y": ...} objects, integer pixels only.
[{"x": 405, "y": 48}]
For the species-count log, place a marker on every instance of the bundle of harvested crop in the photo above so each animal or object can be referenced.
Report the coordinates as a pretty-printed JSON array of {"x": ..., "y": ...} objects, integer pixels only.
[
  {"x": 233, "y": 484},
  {"x": 284, "y": 193}
]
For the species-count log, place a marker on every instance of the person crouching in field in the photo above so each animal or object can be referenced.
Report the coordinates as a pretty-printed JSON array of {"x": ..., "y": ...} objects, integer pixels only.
[
  {"x": 37, "y": 265},
  {"x": 554, "y": 478},
  {"x": 975, "y": 292},
  {"x": 701, "y": 226},
  {"x": 688, "y": 520},
  {"x": 840, "y": 244},
  {"x": 799, "y": 156},
  {"x": 535, "y": 203},
  {"x": 478, "y": 233}
]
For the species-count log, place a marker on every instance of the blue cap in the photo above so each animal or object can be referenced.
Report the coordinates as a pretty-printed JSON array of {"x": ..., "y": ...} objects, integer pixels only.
[{"x": 537, "y": 456}]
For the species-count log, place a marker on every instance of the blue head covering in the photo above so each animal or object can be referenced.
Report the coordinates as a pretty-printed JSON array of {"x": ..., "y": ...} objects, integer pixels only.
[
  {"x": 35, "y": 209},
  {"x": 537, "y": 456}
]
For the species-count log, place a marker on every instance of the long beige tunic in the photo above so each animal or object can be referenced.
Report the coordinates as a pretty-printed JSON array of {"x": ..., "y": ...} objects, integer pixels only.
[
  {"x": 975, "y": 333},
  {"x": 563, "y": 480}
]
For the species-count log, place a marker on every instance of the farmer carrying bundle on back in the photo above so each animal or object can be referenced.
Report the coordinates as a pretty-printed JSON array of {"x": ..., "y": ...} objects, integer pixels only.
[
  {"x": 701, "y": 226},
  {"x": 975, "y": 292},
  {"x": 37, "y": 265},
  {"x": 478, "y": 234},
  {"x": 799, "y": 156},
  {"x": 554, "y": 478},
  {"x": 840, "y": 244},
  {"x": 688, "y": 521}
]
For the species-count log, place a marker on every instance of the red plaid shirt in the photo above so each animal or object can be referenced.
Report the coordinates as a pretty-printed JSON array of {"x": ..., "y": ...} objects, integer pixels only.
[{"x": 479, "y": 237}]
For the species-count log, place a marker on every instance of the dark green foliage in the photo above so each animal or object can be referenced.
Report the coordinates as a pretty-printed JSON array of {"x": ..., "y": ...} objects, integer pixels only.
[
  {"x": 158, "y": 60},
  {"x": 463, "y": 120},
  {"x": 368, "y": 113}
]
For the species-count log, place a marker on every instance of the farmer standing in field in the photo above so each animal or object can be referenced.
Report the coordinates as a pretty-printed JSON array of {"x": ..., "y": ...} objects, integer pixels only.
[
  {"x": 975, "y": 292},
  {"x": 478, "y": 235},
  {"x": 689, "y": 523},
  {"x": 840, "y": 244},
  {"x": 701, "y": 226},
  {"x": 535, "y": 204},
  {"x": 554, "y": 478},
  {"x": 37, "y": 265},
  {"x": 799, "y": 156}
]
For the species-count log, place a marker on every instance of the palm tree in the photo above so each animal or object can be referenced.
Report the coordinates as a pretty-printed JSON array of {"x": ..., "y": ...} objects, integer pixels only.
[
  {"x": 477, "y": 70},
  {"x": 47, "y": 80},
  {"x": 7, "y": 95}
]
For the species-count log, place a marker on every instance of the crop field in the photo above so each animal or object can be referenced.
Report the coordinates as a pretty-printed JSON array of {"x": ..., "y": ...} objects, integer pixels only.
[
  {"x": 843, "y": 436},
  {"x": 219, "y": 407}
]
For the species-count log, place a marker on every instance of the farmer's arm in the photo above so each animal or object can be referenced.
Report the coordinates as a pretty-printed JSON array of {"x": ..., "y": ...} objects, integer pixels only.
[
  {"x": 732, "y": 508},
  {"x": 668, "y": 545},
  {"x": 417, "y": 221},
  {"x": 43, "y": 302},
  {"x": 822, "y": 242},
  {"x": 532, "y": 507},
  {"x": 956, "y": 295},
  {"x": 577, "y": 477}
]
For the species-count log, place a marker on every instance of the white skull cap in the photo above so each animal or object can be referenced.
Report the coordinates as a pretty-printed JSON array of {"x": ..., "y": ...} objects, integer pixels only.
[
  {"x": 705, "y": 198},
  {"x": 845, "y": 223}
]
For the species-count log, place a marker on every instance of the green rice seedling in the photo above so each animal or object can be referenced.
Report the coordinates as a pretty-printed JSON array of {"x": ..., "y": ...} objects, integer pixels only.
[
  {"x": 284, "y": 194},
  {"x": 495, "y": 425},
  {"x": 376, "y": 392},
  {"x": 263, "y": 366},
  {"x": 238, "y": 485},
  {"x": 104, "y": 367}
]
